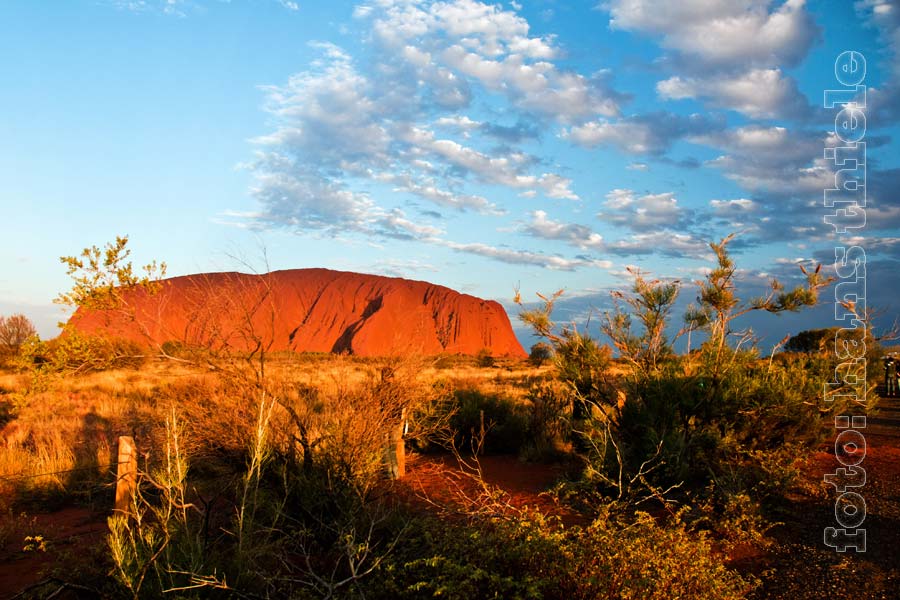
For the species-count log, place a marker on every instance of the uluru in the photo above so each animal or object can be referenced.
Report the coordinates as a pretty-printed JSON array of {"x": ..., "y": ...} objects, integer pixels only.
[{"x": 307, "y": 310}]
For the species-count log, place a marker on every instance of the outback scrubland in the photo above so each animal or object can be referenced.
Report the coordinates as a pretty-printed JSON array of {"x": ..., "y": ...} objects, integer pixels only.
[{"x": 262, "y": 475}]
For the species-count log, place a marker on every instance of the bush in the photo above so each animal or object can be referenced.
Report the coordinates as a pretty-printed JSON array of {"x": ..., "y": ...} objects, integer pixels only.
[
  {"x": 484, "y": 358},
  {"x": 505, "y": 422},
  {"x": 540, "y": 354},
  {"x": 548, "y": 421},
  {"x": 14, "y": 331},
  {"x": 75, "y": 352},
  {"x": 531, "y": 556}
]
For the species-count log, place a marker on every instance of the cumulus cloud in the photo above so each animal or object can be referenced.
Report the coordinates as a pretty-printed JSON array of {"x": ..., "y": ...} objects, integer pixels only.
[
  {"x": 336, "y": 124},
  {"x": 579, "y": 236},
  {"x": 651, "y": 133},
  {"x": 740, "y": 207},
  {"x": 883, "y": 102},
  {"x": 772, "y": 159},
  {"x": 467, "y": 42},
  {"x": 667, "y": 243},
  {"x": 758, "y": 93},
  {"x": 644, "y": 213},
  {"x": 723, "y": 32},
  {"x": 729, "y": 53},
  {"x": 345, "y": 132}
]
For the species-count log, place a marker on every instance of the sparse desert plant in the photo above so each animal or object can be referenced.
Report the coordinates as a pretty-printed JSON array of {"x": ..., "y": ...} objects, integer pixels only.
[
  {"x": 503, "y": 422},
  {"x": 673, "y": 420},
  {"x": 549, "y": 416},
  {"x": 650, "y": 303},
  {"x": 102, "y": 277}
]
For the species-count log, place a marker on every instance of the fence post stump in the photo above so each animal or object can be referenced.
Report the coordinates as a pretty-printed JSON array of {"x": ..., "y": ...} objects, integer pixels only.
[
  {"x": 481, "y": 433},
  {"x": 400, "y": 445},
  {"x": 126, "y": 475},
  {"x": 395, "y": 449}
]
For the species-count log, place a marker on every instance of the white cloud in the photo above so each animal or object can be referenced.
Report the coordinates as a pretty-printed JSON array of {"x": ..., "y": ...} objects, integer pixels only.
[
  {"x": 307, "y": 202},
  {"x": 395, "y": 224},
  {"x": 776, "y": 159},
  {"x": 758, "y": 93},
  {"x": 723, "y": 32},
  {"x": 729, "y": 52},
  {"x": 427, "y": 189},
  {"x": 730, "y": 208},
  {"x": 651, "y": 133},
  {"x": 643, "y": 213},
  {"x": 579, "y": 236},
  {"x": 669, "y": 243},
  {"x": 525, "y": 257},
  {"x": 460, "y": 41},
  {"x": 499, "y": 170}
]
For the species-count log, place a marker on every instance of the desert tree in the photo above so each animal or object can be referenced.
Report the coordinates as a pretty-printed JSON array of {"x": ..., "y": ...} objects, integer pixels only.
[
  {"x": 718, "y": 305},
  {"x": 14, "y": 331},
  {"x": 650, "y": 303},
  {"x": 102, "y": 277},
  {"x": 104, "y": 280},
  {"x": 579, "y": 359}
]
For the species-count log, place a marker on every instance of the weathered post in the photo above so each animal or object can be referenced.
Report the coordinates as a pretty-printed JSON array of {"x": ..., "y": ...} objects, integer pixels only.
[
  {"x": 400, "y": 445},
  {"x": 126, "y": 475},
  {"x": 481, "y": 433},
  {"x": 395, "y": 449}
]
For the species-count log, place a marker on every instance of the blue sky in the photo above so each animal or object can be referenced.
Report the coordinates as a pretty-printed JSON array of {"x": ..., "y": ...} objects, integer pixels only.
[{"x": 541, "y": 144}]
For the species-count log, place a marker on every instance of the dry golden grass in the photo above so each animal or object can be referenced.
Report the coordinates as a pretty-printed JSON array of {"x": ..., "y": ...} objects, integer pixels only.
[{"x": 59, "y": 422}]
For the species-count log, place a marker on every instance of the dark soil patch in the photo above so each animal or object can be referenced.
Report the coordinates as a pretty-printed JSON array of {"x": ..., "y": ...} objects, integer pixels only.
[
  {"x": 800, "y": 566},
  {"x": 71, "y": 536}
]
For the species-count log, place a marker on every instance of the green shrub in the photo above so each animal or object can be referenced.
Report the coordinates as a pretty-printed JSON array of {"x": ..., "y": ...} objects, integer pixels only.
[
  {"x": 548, "y": 421},
  {"x": 531, "y": 556},
  {"x": 505, "y": 422},
  {"x": 540, "y": 354}
]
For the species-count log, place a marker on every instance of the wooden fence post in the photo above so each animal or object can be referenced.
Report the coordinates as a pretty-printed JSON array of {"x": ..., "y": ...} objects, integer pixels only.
[
  {"x": 481, "y": 433},
  {"x": 395, "y": 449},
  {"x": 400, "y": 445},
  {"x": 126, "y": 475}
]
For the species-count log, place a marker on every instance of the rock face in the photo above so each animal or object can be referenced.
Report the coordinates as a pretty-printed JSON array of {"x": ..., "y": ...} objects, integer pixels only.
[{"x": 316, "y": 310}]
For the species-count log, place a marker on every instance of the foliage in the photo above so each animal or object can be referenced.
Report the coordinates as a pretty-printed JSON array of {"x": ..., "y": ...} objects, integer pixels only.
[
  {"x": 14, "y": 331},
  {"x": 737, "y": 435},
  {"x": 503, "y": 421},
  {"x": 79, "y": 353},
  {"x": 811, "y": 340},
  {"x": 158, "y": 546},
  {"x": 717, "y": 417},
  {"x": 530, "y": 556},
  {"x": 484, "y": 358},
  {"x": 650, "y": 303},
  {"x": 101, "y": 276},
  {"x": 540, "y": 353},
  {"x": 549, "y": 415},
  {"x": 718, "y": 306}
]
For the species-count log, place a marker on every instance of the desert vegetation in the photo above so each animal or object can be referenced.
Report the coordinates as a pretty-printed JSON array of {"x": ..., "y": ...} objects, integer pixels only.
[{"x": 265, "y": 475}]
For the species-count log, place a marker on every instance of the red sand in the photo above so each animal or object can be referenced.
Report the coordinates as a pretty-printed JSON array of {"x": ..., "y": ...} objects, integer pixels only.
[{"x": 315, "y": 310}]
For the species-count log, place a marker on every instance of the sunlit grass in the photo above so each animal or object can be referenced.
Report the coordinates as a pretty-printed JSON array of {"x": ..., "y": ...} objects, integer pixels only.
[{"x": 58, "y": 422}]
